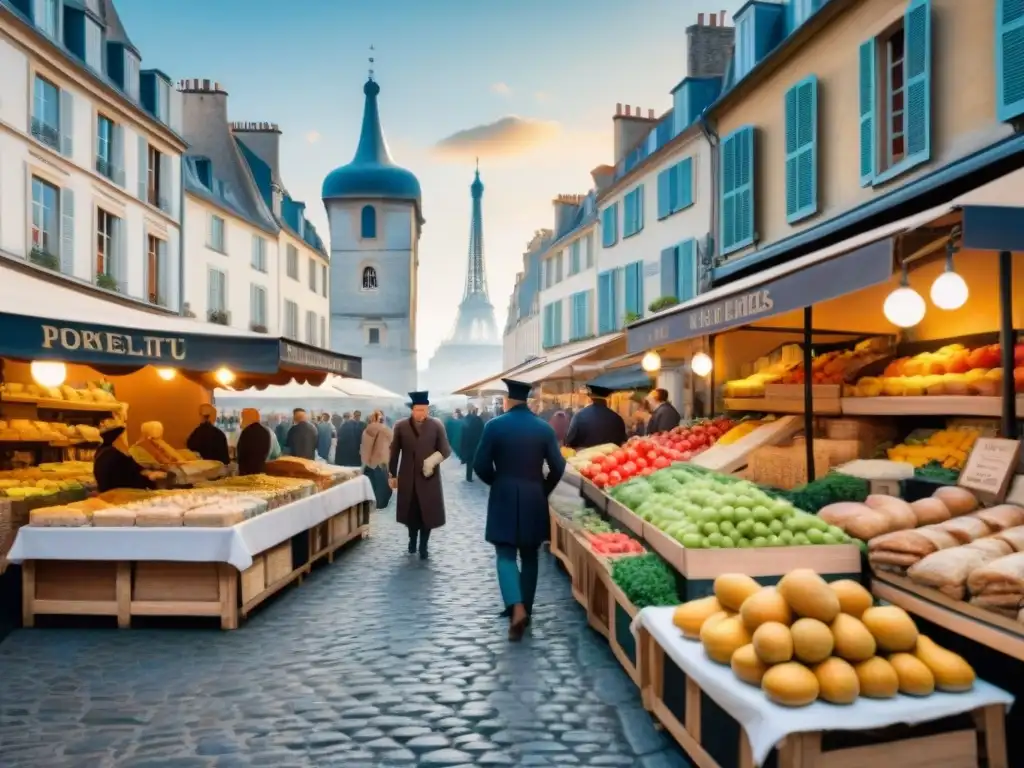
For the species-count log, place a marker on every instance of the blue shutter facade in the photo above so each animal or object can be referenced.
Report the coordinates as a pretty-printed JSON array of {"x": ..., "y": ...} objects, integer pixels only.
[
  {"x": 684, "y": 184},
  {"x": 686, "y": 270},
  {"x": 557, "y": 323},
  {"x": 633, "y": 211},
  {"x": 609, "y": 225},
  {"x": 737, "y": 209},
  {"x": 664, "y": 193},
  {"x": 868, "y": 153},
  {"x": 634, "y": 288},
  {"x": 669, "y": 272},
  {"x": 801, "y": 108},
  {"x": 1009, "y": 59},
  {"x": 917, "y": 26},
  {"x": 675, "y": 188},
  {"x": 605, "y": 302}
]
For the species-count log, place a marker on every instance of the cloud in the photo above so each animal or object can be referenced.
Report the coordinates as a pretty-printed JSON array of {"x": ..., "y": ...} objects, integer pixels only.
[
  {"x": 313, "y": 137},
  {"x": 501, "y": 89},
  {"x": 510, "y": 135}
]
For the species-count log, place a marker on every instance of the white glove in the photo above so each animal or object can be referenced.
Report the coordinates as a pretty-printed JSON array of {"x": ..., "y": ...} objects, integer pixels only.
[{"x": 431, "y": 462}]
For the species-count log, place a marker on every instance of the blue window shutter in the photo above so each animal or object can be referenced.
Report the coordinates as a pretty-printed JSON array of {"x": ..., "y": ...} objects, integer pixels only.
[
  {"x": 639, "y": 297},
  {"x": 684, "y": 183},
  {"x": 587, "y": 312},
  {"x": 917, "y": 25},
  {"x": 603, "y": 324},
  {"x": 742, "y": 195},
  {"x": 545, "y": 326},
  {"x": 67, "y": 231},
  {"x": 609, "y": 225},
  {"x": 639, "y": 220},
  {"x": 867, "y": 113},
  {"x": 687, "y": 270},
  {"x": 67, "y": 124},
  {"x": 1009, "y": 59},
  {"x": 669, "y": 272},
  {"x": 801, "y": 150},
  {"x": 664, "y": 190},
  {"x": 727, "y": 159},
  {"x": 630, "y": 287}
]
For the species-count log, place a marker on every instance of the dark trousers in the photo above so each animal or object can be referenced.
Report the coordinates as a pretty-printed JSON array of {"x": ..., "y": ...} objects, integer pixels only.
[
  {"x": 469, "y": 471},
  {"x": 417, "y": 533}
]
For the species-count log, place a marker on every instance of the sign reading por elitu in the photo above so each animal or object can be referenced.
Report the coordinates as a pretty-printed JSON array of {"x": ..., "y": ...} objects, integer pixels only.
[{"x": 147, "y": 346}]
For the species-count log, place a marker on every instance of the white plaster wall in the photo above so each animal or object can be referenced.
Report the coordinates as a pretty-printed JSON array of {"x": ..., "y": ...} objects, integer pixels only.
[
  {"x": 584, "y": 280},
  {"x": 299, "y": 291},
  {"x": 522, "y": 342}
]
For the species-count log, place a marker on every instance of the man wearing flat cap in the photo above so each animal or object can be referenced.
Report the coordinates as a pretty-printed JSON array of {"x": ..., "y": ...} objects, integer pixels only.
[
  {"x": 207, "y": 439},
  {"x": 597, "y": 424},
  {"x": 418, "y": 447},
  {"x": 513, "y": 451}
]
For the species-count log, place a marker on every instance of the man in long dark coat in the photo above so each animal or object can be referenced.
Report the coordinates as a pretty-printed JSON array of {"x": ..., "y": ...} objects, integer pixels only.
[
  {"x": 418, "y": 447},
  {"x": 453, "y": 428},
  {"x": 207, "y": 439},
  {"x": 302, "y": 436},
  {"x": 597, "y": 424},
  {"x": 350, "y": 437},
  {"x": 254, "y": 444},
  {"x": 511, "y": 457},
  {"x": 472, "y": 429}
]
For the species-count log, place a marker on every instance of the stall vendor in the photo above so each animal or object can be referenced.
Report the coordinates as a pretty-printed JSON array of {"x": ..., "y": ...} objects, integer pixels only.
[
  {"x": 254, "y": 444},
  {"x": 114, "y": 468},
  {"x": 597, "y": 424},
  {"x": 207, "y": 439}
]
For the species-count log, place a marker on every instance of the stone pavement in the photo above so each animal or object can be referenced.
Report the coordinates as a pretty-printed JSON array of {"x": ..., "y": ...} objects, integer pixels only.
[{"x": 378, "y": 660}]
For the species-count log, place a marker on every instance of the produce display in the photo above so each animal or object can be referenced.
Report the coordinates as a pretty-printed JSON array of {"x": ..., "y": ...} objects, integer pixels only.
[
  {"x": 806, "y": 640},
  {"x": 949, "y": 448},
  {"x": 614, "y": 543},
  {"x": 703, "y": 509},
  {"x": 94, "y": 393},
  {"x": 645, "y": 580},
  {"x": 590, "y": 522},
  {"x": 951, "y": 370},
  {"x": 830, "y": 489},
  {"x": 767, "y": 373},
  {"x": 833, "y": 367},
  {"x": 53, "y": 432},
  {"x": 324, "y": 475},
  {"x": 47, "y": 479}
]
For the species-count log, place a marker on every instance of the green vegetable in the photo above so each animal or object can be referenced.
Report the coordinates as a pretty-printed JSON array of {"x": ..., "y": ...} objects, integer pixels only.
[
  {"x": 933, "y": 470},
  {"x": 646, "y": 580},
  {"x": 828, "y": 490}
]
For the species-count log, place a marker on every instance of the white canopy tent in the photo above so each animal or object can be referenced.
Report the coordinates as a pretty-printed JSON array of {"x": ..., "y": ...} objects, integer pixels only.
[{"x": 334, "y": 391}]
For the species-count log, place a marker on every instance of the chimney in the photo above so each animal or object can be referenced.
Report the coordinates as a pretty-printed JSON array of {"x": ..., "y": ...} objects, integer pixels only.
[
  {"x": 630, "y": 128},
  {"x": 603, "y": 176},
  {"x": 709, "y": 47},
  {"x": 204, "y": 110},
  {"x": 264, "y": 141},
  {"x": 565, "y": 211}
]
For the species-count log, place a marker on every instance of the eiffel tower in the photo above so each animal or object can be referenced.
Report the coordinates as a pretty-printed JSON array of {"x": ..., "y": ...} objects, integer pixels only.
[{"x": 474, "y": 342}]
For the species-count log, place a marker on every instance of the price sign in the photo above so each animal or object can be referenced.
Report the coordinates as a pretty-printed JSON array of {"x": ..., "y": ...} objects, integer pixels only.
[{"x": 990, "y": 468}]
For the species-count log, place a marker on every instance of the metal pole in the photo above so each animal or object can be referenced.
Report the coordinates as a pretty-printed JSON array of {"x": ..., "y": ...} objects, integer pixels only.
[
  {"x": 808, "y": 394},
  {"x": 711, "y": 378},
  {"x": 1007, "y": 341}
]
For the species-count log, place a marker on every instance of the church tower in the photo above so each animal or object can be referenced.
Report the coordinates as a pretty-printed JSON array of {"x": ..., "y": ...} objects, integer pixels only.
[{"x": 374, "y": 212}]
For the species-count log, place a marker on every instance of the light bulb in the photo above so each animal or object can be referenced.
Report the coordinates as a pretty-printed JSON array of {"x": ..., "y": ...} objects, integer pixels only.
[
  {"x": 904, "y": 307},
  {"x": 167, "y": 374},
  {"x": 47, "y": 374},
  {"x": 701, "y": 364},
  {"x": 949, "y": 291},
  {"x": 651, "y": 362},
  {"x": 224, "y": 377}
]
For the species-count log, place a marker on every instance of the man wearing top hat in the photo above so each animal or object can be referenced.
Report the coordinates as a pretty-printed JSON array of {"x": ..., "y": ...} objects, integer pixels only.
[
  {"x": 513, "y": 451},
  {"x": 597, "y": 424},
  {"x": 418, "y": 447}
]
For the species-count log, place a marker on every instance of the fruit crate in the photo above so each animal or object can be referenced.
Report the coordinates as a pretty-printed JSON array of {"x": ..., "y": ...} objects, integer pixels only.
[
  {"x": 625, "y": 516},
  {"x": 593, "y": 495},
  {"x": 558, "y": 540}
]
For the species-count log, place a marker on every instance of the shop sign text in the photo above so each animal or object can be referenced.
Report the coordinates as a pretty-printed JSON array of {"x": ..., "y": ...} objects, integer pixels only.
[
  {"x": 112, "y": 343},
  {"x": 733, "y": 309}
]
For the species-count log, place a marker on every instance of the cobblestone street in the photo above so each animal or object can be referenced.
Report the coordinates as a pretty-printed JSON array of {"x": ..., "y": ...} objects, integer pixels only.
[{"x": 378, "y": 660}]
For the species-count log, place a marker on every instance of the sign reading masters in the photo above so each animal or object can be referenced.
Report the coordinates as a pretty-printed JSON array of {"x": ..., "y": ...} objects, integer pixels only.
[
  {"x": 72, "y": 341},
  {"x": 853, "y": 271},
  {"x": 293, "y": 354}
]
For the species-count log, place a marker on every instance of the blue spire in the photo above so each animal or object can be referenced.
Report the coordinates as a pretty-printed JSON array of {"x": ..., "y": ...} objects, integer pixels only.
[
  {"x": 477, "y": 187},
  {"x": 372, "y": 149}
]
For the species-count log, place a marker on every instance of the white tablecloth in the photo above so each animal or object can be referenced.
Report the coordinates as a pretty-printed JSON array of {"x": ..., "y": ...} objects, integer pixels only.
[
  {"x": 767, "y": 723},
  {"x": 235, "y": 545}
]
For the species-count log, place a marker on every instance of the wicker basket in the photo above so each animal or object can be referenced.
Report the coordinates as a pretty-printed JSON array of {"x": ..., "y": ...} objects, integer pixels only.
[
  {"x": 785, "y": 467},
  {"x": 867, "y": 431}
]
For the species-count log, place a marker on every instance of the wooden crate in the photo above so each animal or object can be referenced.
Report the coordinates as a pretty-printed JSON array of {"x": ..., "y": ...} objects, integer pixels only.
[
  {"x": 593, "y": 495},
  {"x": 279, "y": 562},
  {"x": 714, "y": 739},
  {"x": 598, "y": 595},
  {"x": 557, "y": 542},
  {"x": 579, "y": 553},
  {"x": 620, "y": 637},
  {"x": 341, "y": 526},
  {"x": 254, "y": 579}
]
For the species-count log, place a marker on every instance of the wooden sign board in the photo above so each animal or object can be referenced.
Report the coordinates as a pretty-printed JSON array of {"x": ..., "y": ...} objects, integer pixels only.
[
  {"x": 990, "y": 468},
  {"x": 1016, "y": 493}
]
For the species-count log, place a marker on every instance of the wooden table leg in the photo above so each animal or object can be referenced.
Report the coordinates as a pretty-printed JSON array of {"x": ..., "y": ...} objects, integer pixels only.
[
  {"x": 123, "y": 590},
  {"x": 228, "y": 589},
  {"x": 994, "y": 720},
  {"x": 28, "y": 593}
]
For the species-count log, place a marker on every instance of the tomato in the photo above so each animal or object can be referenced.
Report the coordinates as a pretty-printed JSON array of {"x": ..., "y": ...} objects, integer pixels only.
[
  {"x": 631, "y": 455},
  {"x": 608, "y": 463},
  {"x": 619, "y": 456},
  {"x": 652, "y": 455},
  {"x": 646, "y": 471},
  {"x": 587, "y": 470},
  {"x": 687, "y": 455},
  {"x": 629, "y": 468},
  {"x": 661, "y": 462},
  {"x": 641, "y": 462},
  {"x": 614, "y": 477},
  {"x": 601, "y": 480},
  {"x": 685, "y": 445}
]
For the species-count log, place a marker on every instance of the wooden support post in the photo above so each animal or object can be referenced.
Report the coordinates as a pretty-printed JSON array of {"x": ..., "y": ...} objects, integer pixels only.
[
  {"x": 809, "y": 392},
  {"x": 28, "y": 593},
  {"x": 123, "y": 592},
  {"x": 1007, "y": 340}
]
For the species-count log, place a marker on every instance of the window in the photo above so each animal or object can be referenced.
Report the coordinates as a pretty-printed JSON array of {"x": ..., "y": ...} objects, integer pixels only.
[
  {"x": 579, "y": 322},
  {"x": 292, "y": 263},
  {"x": 45, "y": 223},
  {"x": 323, "y": 333},
  {"x": 369, "y": 279},
  {"x": 633, "y": 211},
  {"x": 156, "y": 254},
  {"x": 675, "y": 188},
  {"x": 258, "y": 308},
  {"x": 607, "y": 301},
  {"x": 154, "y": 182},
  {"x": 803, "y": 10},
  {"x": 679, "y": 270},
  {"x": 558, "y": 266},
  {"x": 323, "y": 280},
  {"x": 47, "y": 16},
  {"x": 1009, "y": 63},
  {"x": 552, "y": 330},
  {"x": 312, "y": 274},
  {"x": 93, "y": 45},
  {"x": 259, "y": 253},
  {"x": 801, "y": 111},
  {"x": 634, "y": 292},
  {"x": 368, "y": 223},
  {"x": 46, "y": 115},
  {"x": 311, "y": 327},
  {"x": 373, "y": 336},
  {"x": 216, "y": 239},
  {"x": 745, "y": 49},
  {"x": 291, "y": 319},
  {"x": 104, "y": 146},
  {"x": 574, "y": 257},
  {"x": 108, "y": 268},
  {"x": 737, "y": 189},
  {"x": 610, "y": 225},
  {"x": 590, "y": 250},
  {"x": 217, "y": 297},
  {"x": 131, "y": 75},
  {"x": 895, "y": 97}
]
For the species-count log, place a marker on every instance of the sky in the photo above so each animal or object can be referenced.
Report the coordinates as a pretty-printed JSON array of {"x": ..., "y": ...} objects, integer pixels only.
[{"x": 529, "y": 86}]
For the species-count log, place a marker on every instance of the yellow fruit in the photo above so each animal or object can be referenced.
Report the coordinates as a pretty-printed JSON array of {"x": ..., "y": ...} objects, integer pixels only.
[
  {"x": 853, "y": 598},
  {"x": 790, "y": 684},
  {"x": 812, "y": 641},
  {"x": 732, "y": 589},
  {"x": 763, "y": 606},
  {"x": 951, "y": 672},
  {"x": 808, "y": 595},
  {"x": 878, "y": 679},
  {"x": 773, "y": 643},
  {"x": 837, "y": 681},
  {"x": 914, "y": 676},
  {"x": 746, "y": 666},
  {"x": 853, "y": 641},
  {"x": 723, "y": 637},
  {"x": 894, "y": 630},
  {"x": 690, "y": 617}
]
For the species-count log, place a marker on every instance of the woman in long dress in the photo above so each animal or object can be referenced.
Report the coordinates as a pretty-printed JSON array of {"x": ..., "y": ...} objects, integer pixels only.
[{"x": 374, "y": 452}]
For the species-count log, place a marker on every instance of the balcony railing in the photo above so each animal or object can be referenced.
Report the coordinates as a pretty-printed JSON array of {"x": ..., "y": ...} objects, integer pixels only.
[
  {"x": 46, "y": 133},
  {"x": 218, "y": 316},
  {"x": 43, "y": 258},
  {"x": 106, "y": 168}
]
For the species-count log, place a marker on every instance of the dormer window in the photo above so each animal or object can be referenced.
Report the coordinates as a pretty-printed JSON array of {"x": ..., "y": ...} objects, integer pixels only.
[
  {"x": 759, "y": 27},
  {"x": 131, "y": 74},
  {"x": 745, "y": 58},
  {"x": 204, "y": 172},
  {"x": 47, "y": 17},
  {"x": 155, "y": 92},
  {"x": 93, "y": 44}
]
